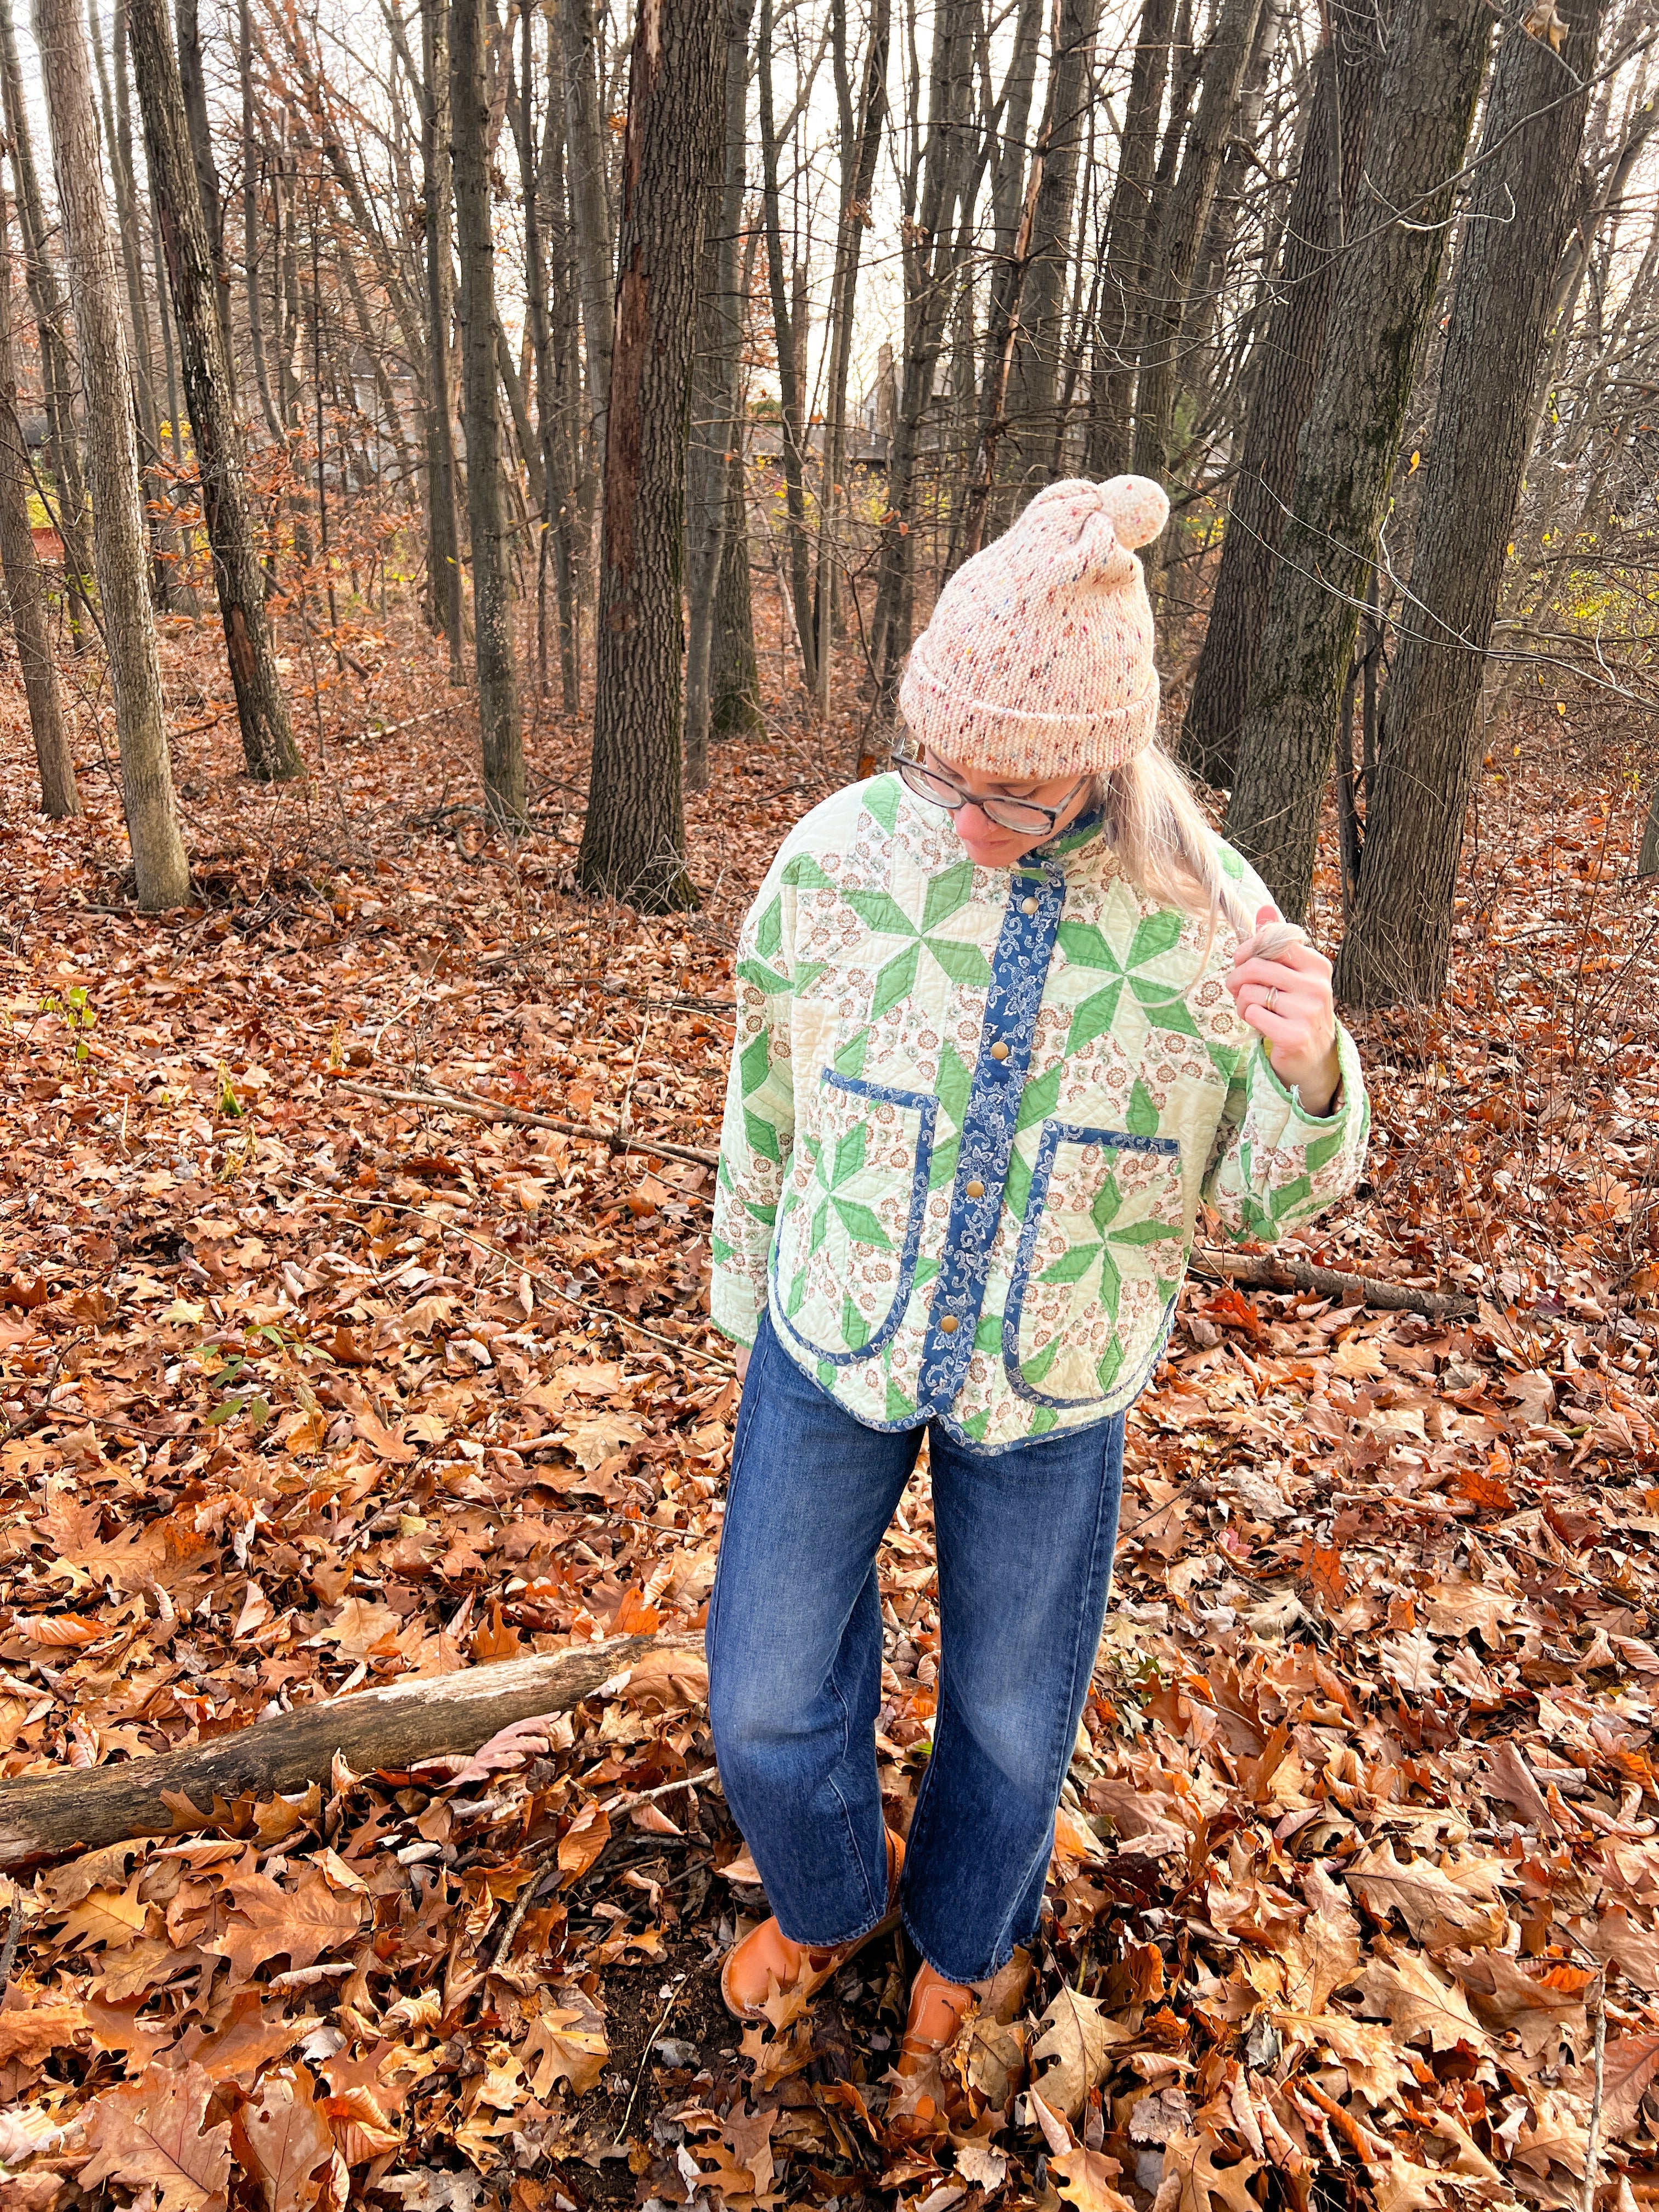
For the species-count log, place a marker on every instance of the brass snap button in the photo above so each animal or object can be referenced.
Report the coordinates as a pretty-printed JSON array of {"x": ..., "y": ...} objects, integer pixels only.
[
  {"x": 998, "y": 1050},
  {"x": 950, "y": 1324},
  {"x": 1027, "y": 906},
  {"x": 976, "y": 1190}
]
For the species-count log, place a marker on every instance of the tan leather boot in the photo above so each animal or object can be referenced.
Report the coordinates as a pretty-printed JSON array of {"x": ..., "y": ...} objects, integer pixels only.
[{"x": 938, "y": 2008}]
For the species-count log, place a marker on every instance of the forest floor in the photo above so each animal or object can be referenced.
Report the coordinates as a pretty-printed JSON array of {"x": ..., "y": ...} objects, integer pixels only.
[{"x": 304, "y": 1386}]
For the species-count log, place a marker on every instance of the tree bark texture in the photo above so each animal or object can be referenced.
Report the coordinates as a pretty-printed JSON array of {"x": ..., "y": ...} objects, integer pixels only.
[
  {"x": 1035, "y": 362},
  {"x": 789, "y": 333},
  {"x": 21, "y": 572},
  {"x": 47, "y": 1816},
  {"x": 47, "y": 302},
  {"x": 486, "y": 489},
  {"x": 1169, "y": 282},
  {"x": 1520, "y": 215},
  {"x": 860, "y": 149},
  {"x": 1431, "y": 78},
  {"x": 590, "y": 203},
  {"x": 268, "y": 746},
  {"x": 714, "y": 381},
  {"x": 634, "y": 837},
  {"x": 1279, "y": 402},
  {"x": 734, "y": 708},
  {"x": 161, "y": 872},
  {"x": 1120, "y": 306},
  {"x": 444, "y": 547},
  {"x": 192, "y": 84}
]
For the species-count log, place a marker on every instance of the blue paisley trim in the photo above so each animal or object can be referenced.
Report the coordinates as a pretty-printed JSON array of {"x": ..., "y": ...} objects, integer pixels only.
[
  {"x": 1054, "y": 1134},
  {"x": 1019, "y": 970},
  {"x": 926, "y": 1105}
]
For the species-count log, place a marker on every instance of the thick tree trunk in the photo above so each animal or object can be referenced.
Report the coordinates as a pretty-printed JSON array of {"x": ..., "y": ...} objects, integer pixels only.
[
  {"x": 734, "y": 709},
  {"x": 268, "y": 746},
  {"x": 1520, "y": 214},
  {"x": 492, "y": 622},
  {"x": 161, "y": 870},
  {"x": 714, "y": 400},
  {"x": 1430, "y": 81},
  {"x": 48, "y": 1816},
  {"x": 1035, "y": 363},
  {"x": 444, "y": 543},
  {"x": 193, "y": 91},
  {"x": 1120, "y": 306},
  {"x": 57, "y": 374},
  {"x": 1170, "y": 284},
  {"x": 634, "y": 837},
  {"x": 21, "y": 572},
  {"x": 1279, "y": 402}
]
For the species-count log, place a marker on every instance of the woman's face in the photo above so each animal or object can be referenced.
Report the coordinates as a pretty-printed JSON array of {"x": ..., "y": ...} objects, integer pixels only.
[{"x": 987, "y": 843}]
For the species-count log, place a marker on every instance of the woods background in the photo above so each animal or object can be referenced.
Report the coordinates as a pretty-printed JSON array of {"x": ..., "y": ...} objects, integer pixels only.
[{"x": 469, "y": 481}]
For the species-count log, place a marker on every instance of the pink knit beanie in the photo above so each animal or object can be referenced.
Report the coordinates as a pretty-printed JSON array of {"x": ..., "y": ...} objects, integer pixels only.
[{"x": 1038, "y": 660}]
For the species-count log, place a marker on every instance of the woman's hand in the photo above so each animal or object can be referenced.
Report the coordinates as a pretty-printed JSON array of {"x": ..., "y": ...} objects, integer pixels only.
[
  {"x": 743, "y": 1363},
  {"x": 1282, "y": 987}
]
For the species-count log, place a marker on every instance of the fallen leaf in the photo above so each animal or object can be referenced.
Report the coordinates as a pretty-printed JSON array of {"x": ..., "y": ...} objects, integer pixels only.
[{"x": 150, "y": 2134}]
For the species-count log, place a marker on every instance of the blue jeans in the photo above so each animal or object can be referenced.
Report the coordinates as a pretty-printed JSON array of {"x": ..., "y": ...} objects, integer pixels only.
[{"x": 1024, "y": 1541}]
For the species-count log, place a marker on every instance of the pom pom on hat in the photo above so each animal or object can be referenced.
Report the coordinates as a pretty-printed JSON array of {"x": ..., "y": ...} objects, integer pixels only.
[{"x": 1038, "y": 660}]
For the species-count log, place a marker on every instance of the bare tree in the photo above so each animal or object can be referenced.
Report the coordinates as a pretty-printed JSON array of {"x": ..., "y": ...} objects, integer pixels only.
[
  {"x": 634, "y": 838},
  {"x": 1520, "y": 214},
  {"x": 1432, "y": 77},
  {"x": 21, "y": 569},
  {"x": 498, "y": 695},
  {"x": 161, "y": 872},
  {"x": 268, "y": 746}
]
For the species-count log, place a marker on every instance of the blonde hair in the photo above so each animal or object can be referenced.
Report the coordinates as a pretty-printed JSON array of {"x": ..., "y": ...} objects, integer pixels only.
[{"x": 1163, "y": 844}]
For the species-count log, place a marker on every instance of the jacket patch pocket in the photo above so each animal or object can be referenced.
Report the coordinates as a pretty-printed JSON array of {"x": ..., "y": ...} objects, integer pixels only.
[
  {"x": 850, "y": 1229},
  {"x": 1101, "y": 1251}
]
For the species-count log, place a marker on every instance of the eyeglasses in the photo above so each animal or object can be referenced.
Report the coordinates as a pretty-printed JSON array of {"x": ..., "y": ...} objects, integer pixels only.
[{"x": 941, "y": 790}]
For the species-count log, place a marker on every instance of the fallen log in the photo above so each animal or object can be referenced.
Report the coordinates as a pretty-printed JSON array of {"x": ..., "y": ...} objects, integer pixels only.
[
  {"x": 1270, "y": 1271},
  {"x": 43, "y": 1816},
  {"x": 490, "y": 1109}
]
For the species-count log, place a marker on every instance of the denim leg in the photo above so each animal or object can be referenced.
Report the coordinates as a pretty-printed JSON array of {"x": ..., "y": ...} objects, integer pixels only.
[
  {"x": 1025, "y": 1540},
  {"x": 794, "y": 1646}
]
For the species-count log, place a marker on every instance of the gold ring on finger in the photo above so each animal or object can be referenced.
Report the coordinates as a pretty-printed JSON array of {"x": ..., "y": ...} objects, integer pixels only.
[{"x": 1272, "y": 995}]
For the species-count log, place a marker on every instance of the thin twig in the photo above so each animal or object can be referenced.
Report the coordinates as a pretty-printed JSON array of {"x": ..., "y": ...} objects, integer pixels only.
[
  {"x": 516, "y": 1919},
  {"x": 1593, "y": 2141},
  {"x": 489, "y": 1110},
  {"x": 645, "y": 2058},
  {"x": 13, "y": 1929}
]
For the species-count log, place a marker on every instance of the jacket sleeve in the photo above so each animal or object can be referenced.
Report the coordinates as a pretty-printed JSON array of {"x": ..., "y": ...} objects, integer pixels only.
[
  {"x": 759, "y": 1128},
  {"x": 1273, "y": 1165}
]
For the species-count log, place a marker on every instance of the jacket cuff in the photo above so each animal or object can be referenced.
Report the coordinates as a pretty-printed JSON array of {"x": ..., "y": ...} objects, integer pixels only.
[
  {"x": 735, "y": 1307},
  {"x": 1280, "y": 1118}
]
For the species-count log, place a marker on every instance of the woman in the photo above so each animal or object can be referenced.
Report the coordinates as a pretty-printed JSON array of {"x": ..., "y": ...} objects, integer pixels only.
[{"x": 993, "y": 1047}]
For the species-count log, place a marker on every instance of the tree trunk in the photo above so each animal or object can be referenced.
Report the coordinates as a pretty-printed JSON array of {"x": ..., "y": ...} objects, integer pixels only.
[
  {"x": 1035, "y": 362},
  {"x": 444, "y": 543},
  {"x": 268, "y": 746},
  {"x": 21, "y": 572},
  {"x": 1431, "y": 79},
  {"x": 1121, "y": 312},
  {"x": 557, "y": 403},
  {"x": 492, "y": 621},
  {"x": 931, "y": 257},
  {"x": 590, "y": 204},
  {"x": 250, "y": 249},
  {"x": 193, "y": 91},
  {"x": 1519, "y": 218},
  {"x": 161, "y": 870},
  {"x": 734, "y": 709},
  {"x": 634, "y": 837},
  {"x": 50, "y": 1815},
  {"x": 57, "y": 374},
  {"x": 1170, "y": 284},
  {"x": 860, "y": 148},
  {"x": 1279, "y": 404},
  {"x": 791, "y": 343},
  {"x": 713, "y": 401}
]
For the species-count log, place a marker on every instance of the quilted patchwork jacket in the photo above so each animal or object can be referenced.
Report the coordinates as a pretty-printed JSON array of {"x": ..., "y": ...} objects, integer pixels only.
[{"x": 972, "y": 1113}]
